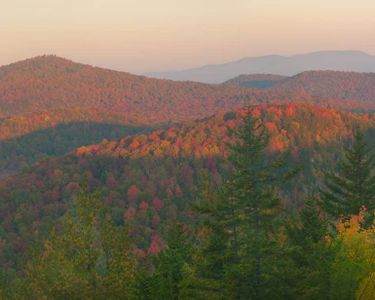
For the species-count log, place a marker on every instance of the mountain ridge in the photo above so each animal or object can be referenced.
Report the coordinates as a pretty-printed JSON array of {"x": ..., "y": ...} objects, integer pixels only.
[{"x": 275, "y": 64}]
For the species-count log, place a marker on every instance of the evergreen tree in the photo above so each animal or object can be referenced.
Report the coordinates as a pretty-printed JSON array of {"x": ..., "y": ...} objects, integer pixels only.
[
  {"x": 169, "y": 264},
  {"x": 203, "y": 278},
  {"x": 162, "y": 280},
  {"x": 353, "y": 186},
  {"x": 312, "y": 254},
  {"x": 244, "y": 220}
]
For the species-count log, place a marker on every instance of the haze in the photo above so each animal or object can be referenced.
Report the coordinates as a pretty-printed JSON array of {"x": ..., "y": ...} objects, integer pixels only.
[{"x": 151, "y": 35}]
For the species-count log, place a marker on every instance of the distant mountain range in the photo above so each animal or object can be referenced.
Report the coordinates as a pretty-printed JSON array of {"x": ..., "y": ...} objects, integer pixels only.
[
  {"x": 50, "y": 105},
  {"x": 354, "y": 61}
]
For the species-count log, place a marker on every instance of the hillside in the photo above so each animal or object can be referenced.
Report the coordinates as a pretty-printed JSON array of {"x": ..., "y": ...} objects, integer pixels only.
[
  {"x": 48, "y": 83},
  {"x": 50, "y": 105},
  {"x": 275, "y": 64},
  {"x": 317, "y": 84},
  {"x": 148, "y": 180},
  {"x": 330, "y": 84},
  {"x": 39, "y": 96}
]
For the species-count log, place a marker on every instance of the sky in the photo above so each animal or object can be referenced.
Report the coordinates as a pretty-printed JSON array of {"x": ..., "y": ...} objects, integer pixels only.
[{"x": 157, "y": 35}]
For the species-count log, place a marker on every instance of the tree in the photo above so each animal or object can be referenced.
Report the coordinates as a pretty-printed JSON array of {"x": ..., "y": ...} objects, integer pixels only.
[
  {"x": 354, "y": 264},
  {"x": 164, "y": 282},
  {"x": 311, "y": 252},
  {"x": 353, "y": 186},
  {"x": 204, "y": 277},
  {"x": 88, "y": 258},
  {"x": 244, "y": 219}
]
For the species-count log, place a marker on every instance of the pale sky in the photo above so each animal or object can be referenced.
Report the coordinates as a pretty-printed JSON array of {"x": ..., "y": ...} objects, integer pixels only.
[{"x": 157, "y": 35}]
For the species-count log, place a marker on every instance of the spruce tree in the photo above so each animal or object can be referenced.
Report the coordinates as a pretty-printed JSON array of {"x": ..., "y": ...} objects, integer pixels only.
[
  {"x": 204, "y": 277},
  {"x": 353, "y": 186},
  {"x": 254, "y": 187},
  {"x": 311, "y": 253},
  {"x": 247, "y": 215},
  {"x": 169, "y": 265}
]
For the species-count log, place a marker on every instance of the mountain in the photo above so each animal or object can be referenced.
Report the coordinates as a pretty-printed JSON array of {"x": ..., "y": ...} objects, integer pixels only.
[
  {"x": 275, "y": 64},
  {"x": 48, "y": 83},
  {"x": 50, "y": 105},
  {"x": 331, "y": 84},
  {"x": 149, "y": 180}
]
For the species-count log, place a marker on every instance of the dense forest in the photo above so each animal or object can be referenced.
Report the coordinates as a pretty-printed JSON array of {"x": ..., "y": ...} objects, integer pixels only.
[
  {"x": 236, "y": 239},
  {"x": 117, "y": 186},
  {"x": 42, "y": 97}
]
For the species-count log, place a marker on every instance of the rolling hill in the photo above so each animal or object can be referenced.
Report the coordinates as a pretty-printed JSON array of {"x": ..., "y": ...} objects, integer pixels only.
[
  {"x": 50, "y": 105},
  {"x": 49, "y": 83},
  {"x": 317, "y": 84}
]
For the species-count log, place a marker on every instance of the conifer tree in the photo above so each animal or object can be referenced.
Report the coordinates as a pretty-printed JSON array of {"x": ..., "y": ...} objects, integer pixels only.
[
  {"x": 246, "y": 215},
  {"x": 169, "y": 265},
  {"x": 203, "y": 278},
  {"x": 162, "y": 274},
  {"x": 353, "y": 186},
  {"x": 312, "y": 254}
]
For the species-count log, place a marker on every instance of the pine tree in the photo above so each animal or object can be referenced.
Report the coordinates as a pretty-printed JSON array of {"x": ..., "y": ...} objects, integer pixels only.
[
  {"x": 169, "y": 264},
  {"x": 203, "y": 278},
  {"x": 253, "y": 187},
  {"x": 245, "y": 214},
  {"x": 162, "y": 280},
  {"x": 353, "y": 186},
  {"x": 311, "y": 253}
]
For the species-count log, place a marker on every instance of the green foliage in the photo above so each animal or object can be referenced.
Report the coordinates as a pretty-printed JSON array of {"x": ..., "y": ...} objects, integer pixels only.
[
  {"x": 244, "y": 248},
  {"x": 164, "y": 281},
  {"x": 240, "y": 249},
  {"x": 312, "y": 254},
  {"x": 86, "y": 259},
  {"x": 354, "y": 264},
  {"x": 353, "y": 186}
]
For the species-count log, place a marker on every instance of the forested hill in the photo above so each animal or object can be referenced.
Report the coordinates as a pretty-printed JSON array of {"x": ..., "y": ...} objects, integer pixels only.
[
  {"x": 148, "y": 180},
  {"x": 328, "y": 84},
  {"x": 49, "y": 105},
  {"x": 45, "y": 91},
  {"x": 48, "y": 83}
]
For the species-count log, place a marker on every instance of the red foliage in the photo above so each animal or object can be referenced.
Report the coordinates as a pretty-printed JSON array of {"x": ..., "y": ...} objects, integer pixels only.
[
  {"x": 156, "y": 244},
  {"x": 144, "y": 205},
  {"x": 130, "y": 213},
  {"x": 133, "y": 193},
  {"x": 157, "y": 203}
]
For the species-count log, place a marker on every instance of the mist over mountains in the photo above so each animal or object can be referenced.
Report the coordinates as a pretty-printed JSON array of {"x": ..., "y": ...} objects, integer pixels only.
[{"x": 354, "y": 61}]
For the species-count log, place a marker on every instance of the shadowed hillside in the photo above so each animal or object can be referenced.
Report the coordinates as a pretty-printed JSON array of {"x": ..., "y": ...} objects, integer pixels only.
[
  {"x": 259, "y": 81},
  {"x": 59, "y": 140}
]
